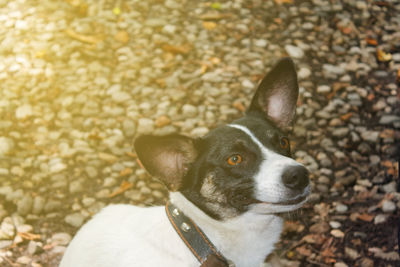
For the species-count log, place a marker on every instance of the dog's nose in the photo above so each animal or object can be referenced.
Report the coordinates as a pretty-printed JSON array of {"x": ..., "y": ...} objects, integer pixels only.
[{"x": 295, "y": 177}]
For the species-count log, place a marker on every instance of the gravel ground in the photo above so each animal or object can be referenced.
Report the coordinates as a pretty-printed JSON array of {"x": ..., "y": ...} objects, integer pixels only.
[{"x": 80, "y": 79}]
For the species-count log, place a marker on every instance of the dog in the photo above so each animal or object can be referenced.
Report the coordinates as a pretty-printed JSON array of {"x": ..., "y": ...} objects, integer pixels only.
[{"x": 233, "y": 183}]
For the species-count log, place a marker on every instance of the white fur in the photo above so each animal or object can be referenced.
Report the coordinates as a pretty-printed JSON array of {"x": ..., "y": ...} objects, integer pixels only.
[{"x": 125, "y": 235}]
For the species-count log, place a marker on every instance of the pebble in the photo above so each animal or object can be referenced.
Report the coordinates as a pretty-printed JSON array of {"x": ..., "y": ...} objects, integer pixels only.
[
  {"x": 145, "y": 126},
  {"x": 337, "y": 233},
  {"x": 370, "y": 136},
  {"x": 389, "y": 119},
  {"x": 75, "y": 219},
  {"x": 7, "y": 229},
  {"x": 304, "y": 73},
  {"x": 323, "y": 89},
  {"x": 388, "y": 206},
  {"x": 6, "y": 145},
  {"x": 23, "y": 112},
  {"x": 341, "y": 208},
  {"x": 380, "y": 218},
  {"x": 294, "y": 51},
  {"x": 335, "y": 224},
  {"x": 61, "y": 238},
  {"x": 24, "y": 205}
]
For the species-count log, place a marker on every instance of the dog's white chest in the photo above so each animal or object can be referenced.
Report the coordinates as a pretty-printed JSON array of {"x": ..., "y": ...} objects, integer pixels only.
[{"x": 125, "y": 235}]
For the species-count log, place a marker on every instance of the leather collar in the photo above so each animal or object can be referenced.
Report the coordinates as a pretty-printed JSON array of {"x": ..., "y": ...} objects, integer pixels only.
[{"x": 195, "y": 239}]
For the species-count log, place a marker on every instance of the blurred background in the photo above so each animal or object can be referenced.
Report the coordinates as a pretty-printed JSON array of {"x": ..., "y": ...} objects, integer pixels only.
[{"x": 80, "y": 79}]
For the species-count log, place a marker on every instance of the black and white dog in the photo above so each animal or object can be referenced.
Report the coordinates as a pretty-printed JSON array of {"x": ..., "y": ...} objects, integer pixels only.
[{"x": 233, "y": 183}]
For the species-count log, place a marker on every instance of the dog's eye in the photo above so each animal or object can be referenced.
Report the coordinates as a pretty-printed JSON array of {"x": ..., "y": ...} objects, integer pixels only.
[
  {"x": 284, "y": 143},
  {"x": 234, "y": 160}
]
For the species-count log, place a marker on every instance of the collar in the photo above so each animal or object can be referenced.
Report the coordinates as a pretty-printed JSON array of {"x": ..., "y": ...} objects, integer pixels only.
[{"x": 195, "y": 239}]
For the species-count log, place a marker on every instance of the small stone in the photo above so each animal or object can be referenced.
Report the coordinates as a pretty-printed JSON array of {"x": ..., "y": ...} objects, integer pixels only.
[
  {"x": 389, "y": 119},
  {"x": 145, "y": 126},
  {"x": 91, "y": 171},
  {"x": 62, "y": 239},
  {"x": 6, "y": 145},
  {"x": 335, "y": 224},
  {"x": 304, "y": 73},
  {"x": 24, "y": 260},
  {"x": 388, "y": 206},
  {"x": 323, "y": 89},
  {"x": 75, "y": 187},
  {"x": 120, "y": 96},
  {"x": 32, "y": 247},
  {"x": 199, "y": 131},
  {"x": 380, "y": 218},
  {"x": 189, "y": 110},
  {"x": 129, "y": 127},
  {"x": 169, "y": 29},
  {"x": 340, "y": 132},
  {"x": 109, "y": 181},
  {"x": 337, "y": 233},
  {"x": 390, "y": 187},
  {"x": 294, "y": 51},
  {"x": 7, "y": 229},
  {"x": 24, "y": 205},
  {"x": 370, "y": 136},
  {"x": 340, "y": 264},
  {"x": 261, "y": 43},
  {"x": 247, "y": 84},
  {"x": 351, "y": 253},
  {"x": 75, "y": 219},
  {"x": 341, "y": 208},
  {"x": 23, "y": 112}
]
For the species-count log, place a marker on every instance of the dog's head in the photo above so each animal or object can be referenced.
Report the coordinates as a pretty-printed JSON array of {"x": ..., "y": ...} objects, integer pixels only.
[{"x": 243, "y": 166}]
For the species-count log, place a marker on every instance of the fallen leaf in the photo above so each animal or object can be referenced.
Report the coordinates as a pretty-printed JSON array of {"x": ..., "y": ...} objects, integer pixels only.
[
  {"x": 216, "y": 5},
  {"x": 387, "y": 133},
  {"x": 177, "y": 49},
  {"x": 398, "y": 75},
  {"x": 291, "y": 226},
  {"x": 162, "y": 121},
  {"x": 278, "y": 20},
  {"x": 319, "y": 228},
  {"x": 383, "y": 56},
  {"x": 371, "y": 96},
  {"x": 346, "y": 30},
  {"x": 139, "y": 163},
  {"x": 371, "y": 41},
  {"x": 346, "y": 116},
  {"x": 126, "y": 172},
  {"x": 122, "y": 37},
  {"x": 29, "y": 236},
  {"x": 239, "y": 106},
  {"x": 366, "y": 217},
  {"x": 303, "y": 251},
  {"x": 122, "y": 188},
  {"x": 280, "y": 2},
  {"x": 328, "y": 252},
  {"x": 83, "y": 38},
  {"x": 107, "y": 157},
  {"x": 116, "y": 11},
  {"x": 209, "y": 25}
]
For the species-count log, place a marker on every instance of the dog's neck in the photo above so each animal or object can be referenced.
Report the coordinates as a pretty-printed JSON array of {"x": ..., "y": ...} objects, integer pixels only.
[{"x": 248, "y": 237}]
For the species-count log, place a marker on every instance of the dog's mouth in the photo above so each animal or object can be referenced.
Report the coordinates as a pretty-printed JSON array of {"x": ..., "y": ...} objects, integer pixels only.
[{"x": 293, "y": 201}]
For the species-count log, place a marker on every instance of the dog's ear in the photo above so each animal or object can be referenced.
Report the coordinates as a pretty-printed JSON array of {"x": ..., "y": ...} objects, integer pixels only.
[
  {"x": 276, "y": 96},
  {"x": 166, "y": 157}
]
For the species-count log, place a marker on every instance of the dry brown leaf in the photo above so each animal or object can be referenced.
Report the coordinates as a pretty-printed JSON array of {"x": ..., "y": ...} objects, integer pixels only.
[
  {"x": 239, "y": 106},
  {"x": 122, "y": 188},
  {"x": 126, "y": 172},
  {"x": 291, "y": 226},
  {"x": 280, "y": 2},
  {"x": 177, "y": 49},
  {"x": 366, "y": 217},
  {"x": 346, "y": 116},
  {"x": 398, "y": 75},
  {"x": 383, "y": 56},
  {"x": 387, "y": 133},
  {"x": 371, "y": 41},
  {"x": 83, "y": 38},
  {"x": 209, "y": 25},
  {"x": 29, "y": 236},
  {"x": 162, "y": 121},
  {"x": 304, "y": 251}
]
